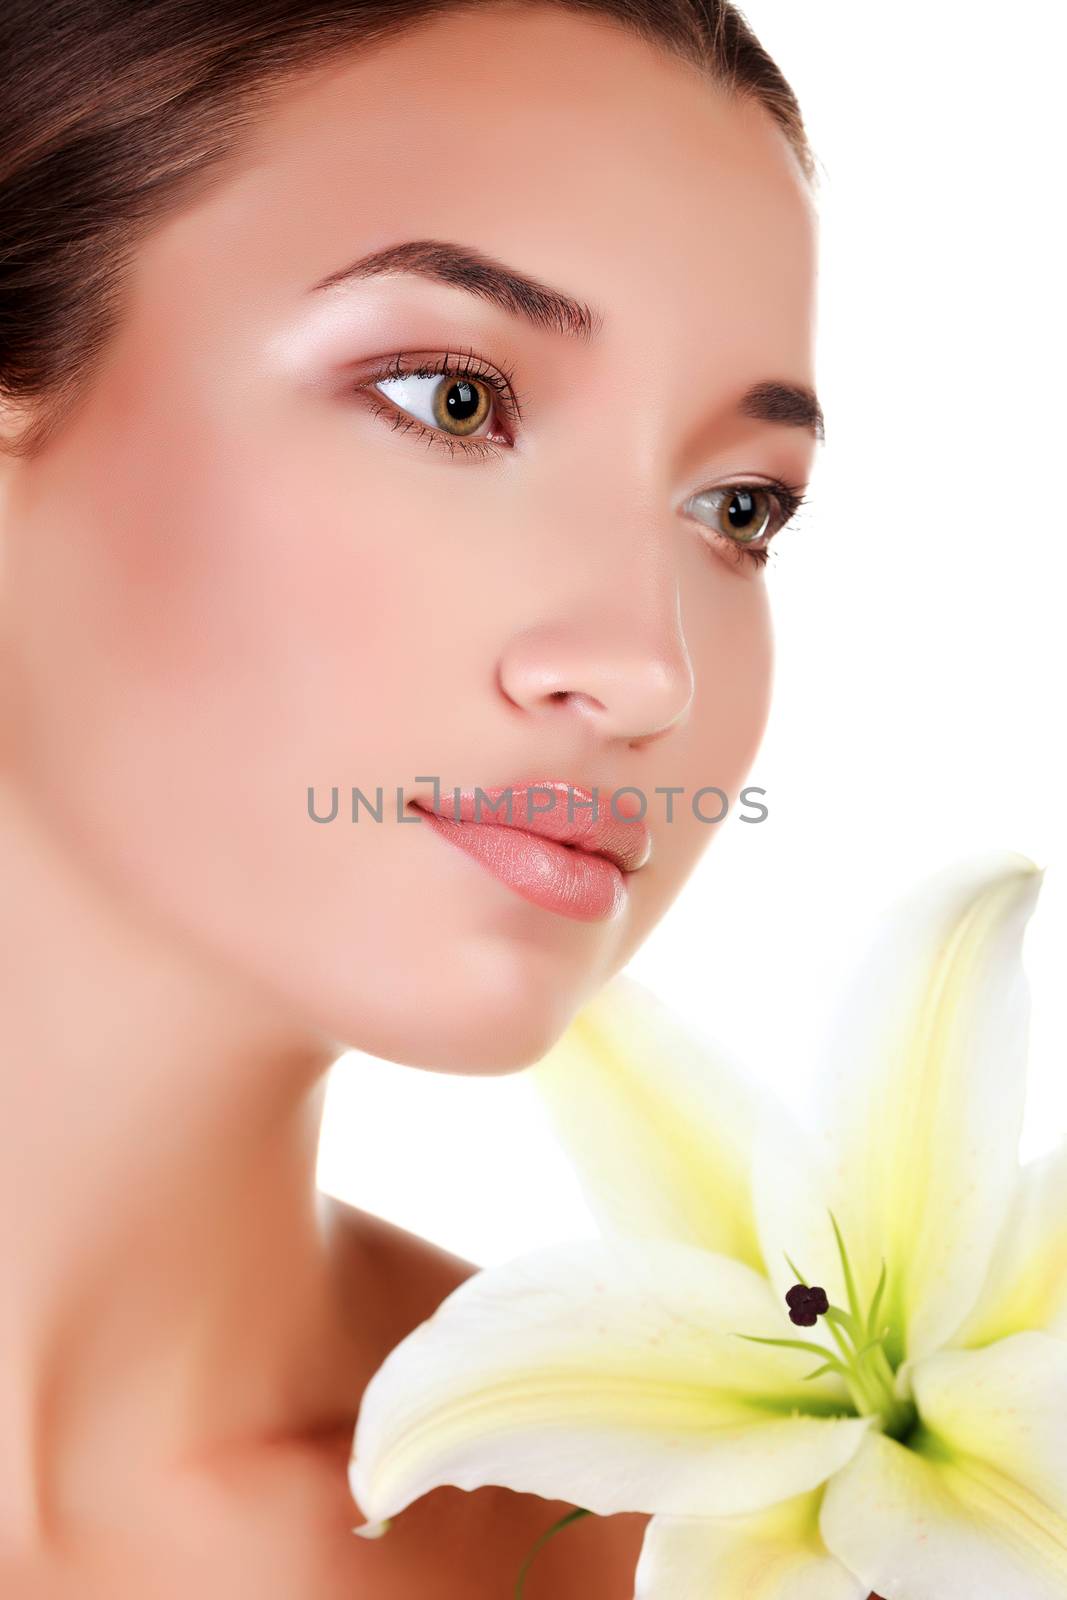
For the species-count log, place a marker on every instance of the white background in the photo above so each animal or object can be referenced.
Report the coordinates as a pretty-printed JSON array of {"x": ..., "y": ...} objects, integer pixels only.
[{"x": 920, "y": 610}]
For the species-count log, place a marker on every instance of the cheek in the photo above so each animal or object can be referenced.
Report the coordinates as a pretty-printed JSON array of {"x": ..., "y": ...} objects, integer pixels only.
[
  {"x": 733, "y": 657},
  {"x": 730, "y": 641},
  {"x": 244, "y": 606},
  {"x": 229, "y": 633}
]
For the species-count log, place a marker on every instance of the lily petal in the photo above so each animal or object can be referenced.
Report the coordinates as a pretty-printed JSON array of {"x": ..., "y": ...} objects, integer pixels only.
[
  {"x": 794, "y": 1190},
  {"x": 1026, "y": 1286},
  {"x": 776, "y": 1554},
  {"x": 924, "y": 1093},
  {"x": 606, "y": 1374},
  {"x": 1004, "y": 1406},
  {"x": 978, "y": 1509},
  {"x": 658, "y": 1123}
]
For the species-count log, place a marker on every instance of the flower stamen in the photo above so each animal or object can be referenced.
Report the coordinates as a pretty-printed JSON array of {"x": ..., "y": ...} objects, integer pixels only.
[
  {"x": 864, "y": 1365},
  {"x": 806, "y": 1305}
]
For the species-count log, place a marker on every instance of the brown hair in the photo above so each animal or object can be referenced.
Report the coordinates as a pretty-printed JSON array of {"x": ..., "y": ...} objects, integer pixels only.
[{"x": 113, "y": 111}]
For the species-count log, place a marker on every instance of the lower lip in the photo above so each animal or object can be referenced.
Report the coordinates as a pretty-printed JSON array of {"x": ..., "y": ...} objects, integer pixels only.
[{"x": 573, "y": 883}]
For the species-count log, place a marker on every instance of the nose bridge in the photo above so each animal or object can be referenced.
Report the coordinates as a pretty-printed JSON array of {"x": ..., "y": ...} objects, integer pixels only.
[{"x": 612, "y": 643}]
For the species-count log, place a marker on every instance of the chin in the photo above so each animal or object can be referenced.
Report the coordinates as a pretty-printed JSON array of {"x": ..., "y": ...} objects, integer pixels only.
[{"x": 491, "y": 1008}]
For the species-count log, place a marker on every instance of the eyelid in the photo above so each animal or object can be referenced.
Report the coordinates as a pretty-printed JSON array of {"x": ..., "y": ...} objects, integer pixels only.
[
  {"x": 460, "y": 363},
  {"x": 789, "y": 496}
]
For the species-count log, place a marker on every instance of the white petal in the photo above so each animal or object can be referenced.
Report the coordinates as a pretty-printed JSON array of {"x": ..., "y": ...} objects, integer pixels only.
[
  {"x": 924, "y": 1091},
  {"x": 794, "y": 1186},
  {"x": 918, "y": 1527},
  {"x": 776, "y": 1554},
  {"x": 606, "y": 1375},
  {"x": 1026, "y": 1286},
  {"x": 1005, "y": 1406},
  {"x": 657, "y": 1121}
]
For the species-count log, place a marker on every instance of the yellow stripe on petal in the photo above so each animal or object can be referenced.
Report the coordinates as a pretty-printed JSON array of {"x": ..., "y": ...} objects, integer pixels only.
[
  {"x": 1005, "y": 1406},
  {"x": 916, "y": 1525},
  {"x": 776, "y": 1554},
  {"x": 1026, "y": 1286},
  {"x": 606, "y": 1374},
  {"x": 924, "y": 1093},
  {"x": 657, "y": 1122}
]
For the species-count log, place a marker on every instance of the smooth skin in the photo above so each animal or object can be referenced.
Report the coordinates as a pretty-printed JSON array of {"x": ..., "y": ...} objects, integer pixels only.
[{"x": 226, "y": 578}]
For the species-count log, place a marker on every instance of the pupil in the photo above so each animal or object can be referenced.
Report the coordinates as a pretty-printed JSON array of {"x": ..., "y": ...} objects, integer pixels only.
[
  {"x": 461, "y": 401},
  {"x": 748, "y": 504}
]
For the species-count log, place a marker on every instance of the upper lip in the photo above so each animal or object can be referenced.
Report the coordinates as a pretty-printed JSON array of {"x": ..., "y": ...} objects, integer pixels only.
[{"x": 626, "y": 841}]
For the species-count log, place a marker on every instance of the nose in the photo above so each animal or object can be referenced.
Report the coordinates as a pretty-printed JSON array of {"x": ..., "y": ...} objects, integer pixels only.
[{"x": 620, "y": 658}]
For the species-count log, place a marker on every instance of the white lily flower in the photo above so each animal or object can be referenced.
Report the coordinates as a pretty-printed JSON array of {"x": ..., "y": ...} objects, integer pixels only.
[{"x": 923, "y": 1454}]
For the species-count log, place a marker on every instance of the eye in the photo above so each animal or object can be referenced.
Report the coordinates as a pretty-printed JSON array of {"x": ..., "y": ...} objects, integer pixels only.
[
  {"x": 747, "y": 516},
  {"x": 456, "y": 405},
  {"x": 450, "y": 400}
]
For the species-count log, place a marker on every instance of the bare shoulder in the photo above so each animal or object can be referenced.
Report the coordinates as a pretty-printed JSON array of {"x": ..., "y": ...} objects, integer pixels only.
[
  {"x": 396, "y": 1277},
  {"x": 476, "y": 1541},
  {"x": 276, "y": 1519}
]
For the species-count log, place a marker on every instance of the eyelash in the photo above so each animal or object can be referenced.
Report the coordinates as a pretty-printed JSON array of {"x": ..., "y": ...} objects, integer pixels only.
[{"x": 790, "y": 497}]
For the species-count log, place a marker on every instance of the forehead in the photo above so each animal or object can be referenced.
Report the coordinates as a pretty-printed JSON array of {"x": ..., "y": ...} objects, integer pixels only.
[{"x": 555, "y": 141}]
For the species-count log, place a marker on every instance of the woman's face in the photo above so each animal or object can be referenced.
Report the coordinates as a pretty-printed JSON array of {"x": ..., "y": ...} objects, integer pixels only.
[{"x": 240, "y": 571}]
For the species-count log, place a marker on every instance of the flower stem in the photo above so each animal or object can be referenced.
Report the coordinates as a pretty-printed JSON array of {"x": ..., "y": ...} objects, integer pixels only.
[{"x": 571, "y": 1516}]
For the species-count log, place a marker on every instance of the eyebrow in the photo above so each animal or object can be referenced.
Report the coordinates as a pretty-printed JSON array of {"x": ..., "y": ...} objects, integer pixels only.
[{"x": 465, "y": 267}]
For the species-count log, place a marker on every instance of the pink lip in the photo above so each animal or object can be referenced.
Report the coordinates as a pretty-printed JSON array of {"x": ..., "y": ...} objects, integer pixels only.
[{"x": 561, "y": 858}]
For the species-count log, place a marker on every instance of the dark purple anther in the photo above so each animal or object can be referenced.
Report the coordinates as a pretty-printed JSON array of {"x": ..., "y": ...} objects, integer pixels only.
[{"x": 806, "y": 1304}]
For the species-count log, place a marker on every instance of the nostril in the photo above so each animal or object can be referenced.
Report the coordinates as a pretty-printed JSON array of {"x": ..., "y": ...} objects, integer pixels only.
[{"x": 578, "y": 697}]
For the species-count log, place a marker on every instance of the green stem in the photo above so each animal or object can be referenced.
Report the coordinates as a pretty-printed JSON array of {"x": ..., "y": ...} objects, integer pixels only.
[
  {"x": 841, "y": 1328},
  {"x": 872, "y": 1315},
  {"x": 888, "y": 1375},
  {"x": 788, "y": 1344},
  {"x": 863, "y": 1399},
  {"x": 864, "y": 1396},
  {"x": 850, "y": 1282},
  {"x": 571, "y": 1516}
]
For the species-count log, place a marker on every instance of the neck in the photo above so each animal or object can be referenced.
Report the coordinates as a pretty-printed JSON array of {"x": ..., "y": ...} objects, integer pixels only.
[{"x": 168, "y": 1290}]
